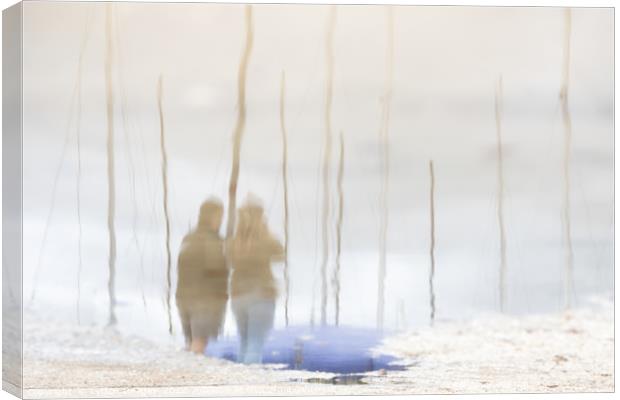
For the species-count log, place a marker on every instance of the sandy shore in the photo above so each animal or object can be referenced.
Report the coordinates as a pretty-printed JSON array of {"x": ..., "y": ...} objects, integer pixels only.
[{"x": 568, "y": 352}]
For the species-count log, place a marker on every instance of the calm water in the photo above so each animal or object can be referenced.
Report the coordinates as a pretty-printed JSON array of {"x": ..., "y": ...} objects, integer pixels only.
[
  {"x": 346, "y": 212},
  {"x": 342, "y": 350}
]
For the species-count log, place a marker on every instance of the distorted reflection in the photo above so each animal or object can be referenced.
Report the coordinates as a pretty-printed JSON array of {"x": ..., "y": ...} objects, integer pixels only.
[
  {"x": 253, "y": 287},
  {"x": 202, "y": 289}
]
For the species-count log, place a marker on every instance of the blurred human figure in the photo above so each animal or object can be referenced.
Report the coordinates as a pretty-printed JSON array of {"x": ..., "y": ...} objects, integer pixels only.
[
  {"x": 253, "y": 287},
  {"x": 202, "y": 288}
]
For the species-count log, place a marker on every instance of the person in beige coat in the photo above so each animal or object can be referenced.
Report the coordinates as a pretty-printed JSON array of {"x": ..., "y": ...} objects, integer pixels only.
[
  {"x": 253, "y": 287},
  {"x": 202, "y": 288}
]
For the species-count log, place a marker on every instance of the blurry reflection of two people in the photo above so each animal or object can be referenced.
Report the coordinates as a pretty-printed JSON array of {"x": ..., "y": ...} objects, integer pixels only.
[{"x": 202, "y": 290}]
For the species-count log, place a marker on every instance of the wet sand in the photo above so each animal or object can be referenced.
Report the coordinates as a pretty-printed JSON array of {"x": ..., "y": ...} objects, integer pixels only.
[{"x": 565, "y": 352}]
